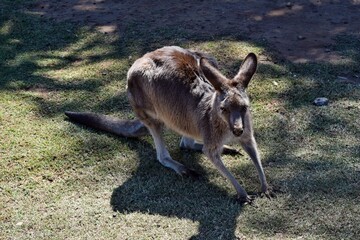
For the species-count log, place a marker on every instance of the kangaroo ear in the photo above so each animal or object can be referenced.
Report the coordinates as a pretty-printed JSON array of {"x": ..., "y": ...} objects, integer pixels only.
[
  {"x": 213, "y": 75},
  {"x": 247, "y": 70}
]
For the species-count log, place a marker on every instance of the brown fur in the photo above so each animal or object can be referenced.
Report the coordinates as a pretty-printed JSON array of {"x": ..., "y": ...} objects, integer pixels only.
[{"x": 185, "y": 91}]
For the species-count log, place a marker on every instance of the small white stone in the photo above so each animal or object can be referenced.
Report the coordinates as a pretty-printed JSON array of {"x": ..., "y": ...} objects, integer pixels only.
[
  {"x": 321, "y": 101},
  {"x": 300, "y": 37}
]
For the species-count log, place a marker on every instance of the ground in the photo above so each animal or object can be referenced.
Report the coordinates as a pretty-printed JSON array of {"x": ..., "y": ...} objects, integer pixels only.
[
  {"x": 59, "y": 180},
  {"x": 300, "y": 31}
]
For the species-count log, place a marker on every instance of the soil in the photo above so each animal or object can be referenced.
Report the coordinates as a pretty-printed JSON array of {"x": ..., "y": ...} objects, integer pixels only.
[{"x": 300, "y": 31}]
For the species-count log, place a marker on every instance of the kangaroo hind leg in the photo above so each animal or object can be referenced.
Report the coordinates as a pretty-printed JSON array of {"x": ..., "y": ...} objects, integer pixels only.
[
  {"x": 163, "y": 156},
  {"x": 189, "y": 143}
]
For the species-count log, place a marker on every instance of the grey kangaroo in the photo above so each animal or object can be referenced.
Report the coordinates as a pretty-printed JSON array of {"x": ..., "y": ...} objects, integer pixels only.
[{"x": 185, "y": 91}]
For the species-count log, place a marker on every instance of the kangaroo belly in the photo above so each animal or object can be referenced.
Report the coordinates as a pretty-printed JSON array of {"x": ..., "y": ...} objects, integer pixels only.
[
  {"x": 180, "y": 123},
  {"x": 178, "y": 111}
]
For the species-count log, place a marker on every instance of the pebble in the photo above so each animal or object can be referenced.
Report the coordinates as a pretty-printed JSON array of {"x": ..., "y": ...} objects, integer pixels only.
[
  {"x": 300, "y": 37},
  {"x": 321, "y": 101}
]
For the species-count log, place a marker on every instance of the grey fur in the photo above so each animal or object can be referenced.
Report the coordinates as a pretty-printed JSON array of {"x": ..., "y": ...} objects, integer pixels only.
[{"x": 184, "y": 91}]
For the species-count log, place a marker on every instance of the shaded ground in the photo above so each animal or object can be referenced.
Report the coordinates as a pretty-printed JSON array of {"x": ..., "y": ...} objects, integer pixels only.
[
  {"x": 300, "y": 31},
  {"x": 62, "y": 181}
]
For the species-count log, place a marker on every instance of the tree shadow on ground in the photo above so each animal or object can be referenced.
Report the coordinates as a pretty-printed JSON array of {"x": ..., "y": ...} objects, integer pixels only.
[
  {"x": 152, "y": 189},
  {"x": 290, "y": 27}
]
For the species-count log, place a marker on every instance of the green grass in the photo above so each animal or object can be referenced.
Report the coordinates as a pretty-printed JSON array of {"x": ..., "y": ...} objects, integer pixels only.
[{"x": 63, "y": 181}]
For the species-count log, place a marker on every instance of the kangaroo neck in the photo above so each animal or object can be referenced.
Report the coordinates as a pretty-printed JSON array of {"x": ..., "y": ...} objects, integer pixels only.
[{"x": 214, "y": 114}]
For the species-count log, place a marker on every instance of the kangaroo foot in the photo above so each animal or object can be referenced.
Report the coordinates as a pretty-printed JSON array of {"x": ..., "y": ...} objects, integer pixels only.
[
  {"x": 243, "y": 200},
  {"x": 177, "y": 167},
  {"x": 189, "y": 173},
  {"x": 269, "y": 194},
  {"x": 230, "y": 151}
]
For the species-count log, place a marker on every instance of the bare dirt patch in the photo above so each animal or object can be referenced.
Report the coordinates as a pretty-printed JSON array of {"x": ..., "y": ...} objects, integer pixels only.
[{"x": 300, "y": 31}]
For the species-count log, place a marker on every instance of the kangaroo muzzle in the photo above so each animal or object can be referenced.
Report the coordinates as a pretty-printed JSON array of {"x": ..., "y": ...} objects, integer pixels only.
[
  {"x": 237, "y": 131},
  {"x": 236, "y": 124}
]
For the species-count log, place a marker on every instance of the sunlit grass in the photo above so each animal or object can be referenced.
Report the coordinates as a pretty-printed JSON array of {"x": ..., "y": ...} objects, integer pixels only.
[{"x": 59, "y": 180}]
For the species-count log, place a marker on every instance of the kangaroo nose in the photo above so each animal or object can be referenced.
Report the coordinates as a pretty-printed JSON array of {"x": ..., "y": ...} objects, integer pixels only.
[{"x": 238, "y": 131}]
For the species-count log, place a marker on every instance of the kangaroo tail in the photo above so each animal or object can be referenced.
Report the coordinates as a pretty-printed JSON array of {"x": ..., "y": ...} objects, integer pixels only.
[{"x": 124, "y": 128}]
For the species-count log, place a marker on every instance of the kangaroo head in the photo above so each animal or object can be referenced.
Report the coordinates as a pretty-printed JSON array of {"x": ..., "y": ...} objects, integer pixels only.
[{"x": 232, "y": 102}]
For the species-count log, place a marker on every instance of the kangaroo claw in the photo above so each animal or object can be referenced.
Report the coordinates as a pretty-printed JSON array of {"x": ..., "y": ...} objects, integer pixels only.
[
  {"x": 268, "y": 194},
  {"x": 189, "y": 173},
  {"x": 244, "y": 200}
]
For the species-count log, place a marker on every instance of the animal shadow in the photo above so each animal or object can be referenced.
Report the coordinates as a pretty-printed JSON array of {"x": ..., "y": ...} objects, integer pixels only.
[{"x": 154, "y": 189}]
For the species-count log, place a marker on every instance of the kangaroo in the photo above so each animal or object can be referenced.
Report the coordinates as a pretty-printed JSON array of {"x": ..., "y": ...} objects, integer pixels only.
[{"x": 184, "y": 91}]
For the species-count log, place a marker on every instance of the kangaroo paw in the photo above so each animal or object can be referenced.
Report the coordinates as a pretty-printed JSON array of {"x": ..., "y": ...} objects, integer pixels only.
[
  {"x": 244, "y": 200},
  {"x": 184, "y": 171},
  {"x": 268, "y": 194}
]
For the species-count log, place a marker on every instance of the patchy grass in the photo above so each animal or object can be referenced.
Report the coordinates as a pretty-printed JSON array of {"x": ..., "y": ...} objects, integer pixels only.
[{"x": 63, "y": 181}]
